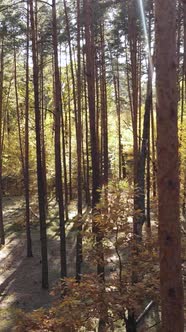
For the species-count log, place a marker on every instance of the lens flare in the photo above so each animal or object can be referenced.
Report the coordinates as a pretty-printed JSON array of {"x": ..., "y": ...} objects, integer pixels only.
[{"x": 148, "y": 46}]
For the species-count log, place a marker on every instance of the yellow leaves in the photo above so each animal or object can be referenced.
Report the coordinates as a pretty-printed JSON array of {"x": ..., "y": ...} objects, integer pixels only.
[{"x": 79, "y": 305}]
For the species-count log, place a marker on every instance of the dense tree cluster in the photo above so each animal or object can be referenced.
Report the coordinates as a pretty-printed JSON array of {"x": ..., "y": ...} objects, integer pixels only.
[{"x": 92, "y": 109}]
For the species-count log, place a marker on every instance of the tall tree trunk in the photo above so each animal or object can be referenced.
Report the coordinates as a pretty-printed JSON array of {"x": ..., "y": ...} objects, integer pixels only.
[
  {"x": 64, "y": 162},
  {"x": 116, "y": 82},
  {"x": 79, "y": 150},
  {"x": 26, "y": 170},
  {"x": 140, "y": 93},
  {"x": 153, "y": 153},
  {"x": 2, "y": 234},
  {"x": 24, "y": 156},
  {"x": 70, "y": 135},
  {"x": 132, "y": 10},
  {"x": 40, "y": 178},
  {"x": 18, "y": 111},
  {"x": 171, "y": 286},
  {"x": 88, "y": 200},
  {"x": 96, "y": 179},
  {"x": 140, "y": 178},
  {"x": 104, "y": 122},
  {"x": 58, "y": 170},
  {"x": 90, "y": 71},
  {"x": 43, "y": 147}
]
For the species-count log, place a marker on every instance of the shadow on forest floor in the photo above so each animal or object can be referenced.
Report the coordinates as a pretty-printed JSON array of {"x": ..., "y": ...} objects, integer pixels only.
[{"x": 20, "y": 277}]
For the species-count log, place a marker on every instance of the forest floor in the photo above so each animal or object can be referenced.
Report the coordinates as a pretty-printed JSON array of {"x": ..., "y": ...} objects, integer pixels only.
[{"x": 20, "y": 277}]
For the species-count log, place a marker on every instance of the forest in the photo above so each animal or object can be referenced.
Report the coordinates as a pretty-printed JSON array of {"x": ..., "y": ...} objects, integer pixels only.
[{"x": 92, "y": 165}]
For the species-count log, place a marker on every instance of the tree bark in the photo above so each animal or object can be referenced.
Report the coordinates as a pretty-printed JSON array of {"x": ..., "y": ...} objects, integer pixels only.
[
  {"x": 2, "y": 233},
  {"x": 58, "y": 169},
  {"x": 171, "y": 286},
  {"x": 26, "y": 170},
  {"x": 40, "y": 178},
  {"x": 79, "y": 150}
]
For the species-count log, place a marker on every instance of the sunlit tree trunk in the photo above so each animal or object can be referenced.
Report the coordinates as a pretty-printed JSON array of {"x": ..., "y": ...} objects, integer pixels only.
[
  {"x": 64, "y": 162},
  {"x": 132, "y": 12},
  {"x": 87, "y": 182},
  {"x": 17, "y": 110},
  {"x": 24, "y": 155},
  {"x": 116, "y": 83},
  {"x": 154, "y": 171},
  {"x": 70, "y": 134},
  {"x": 43, "y": 147},
  {"x": 171, "y": 286},
  {"x": 26, "y": 170}
]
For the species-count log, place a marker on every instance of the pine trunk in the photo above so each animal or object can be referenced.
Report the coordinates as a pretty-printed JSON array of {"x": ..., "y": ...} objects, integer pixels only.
[
  {"x": 40, "y": 177},
  {"x": 171, "y": 287}
]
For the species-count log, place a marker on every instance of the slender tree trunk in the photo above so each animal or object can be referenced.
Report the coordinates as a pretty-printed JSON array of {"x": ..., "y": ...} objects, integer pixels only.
[
  {"x": 116, "y": 82},
  {"x": 70, "y": 135},
  {"x": 64, "y": 163},
  {"x": 71, "y": 63},
  {"x": 18, "y": 111},
  {"x": 40, "y": 178},
  {"x": 148, "y": 177},
  {"x": 79, "y": 151},
  {"x": 154, "y": 178},
  {"x": 2, "y": 234},
  {"x": 171, "y": 286},
  {"x": 140, "y": 96},
  {"x": 90, "y": 70},
  {"x": 119, "y": 119},
  {"x": 148, "y": 180},
  {"x": 134, "y": 81},
  {"x": 104, "y": 121},
  {"x": 26, "y": 170},
  {"x": 96, "y": 180},
  {"x": 43, "y": 147},
  {"x": 24, "y": 156},
  {"x": 140, "y": 178},
  {"x": 58, "y": 170},
  {"x": 182, "y": 91},
  {"x": 88, "y": 200}
]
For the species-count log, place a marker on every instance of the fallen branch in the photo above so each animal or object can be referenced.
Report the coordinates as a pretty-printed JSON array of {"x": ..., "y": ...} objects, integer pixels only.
[
  {"x": 143, "y": 314},
  {"x": 35, "y": 215},
  {"x": 150, "y": 327}
]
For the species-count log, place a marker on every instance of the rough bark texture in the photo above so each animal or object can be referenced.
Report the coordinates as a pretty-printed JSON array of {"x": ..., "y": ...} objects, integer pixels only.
[{"x": 168, "y": 175}]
